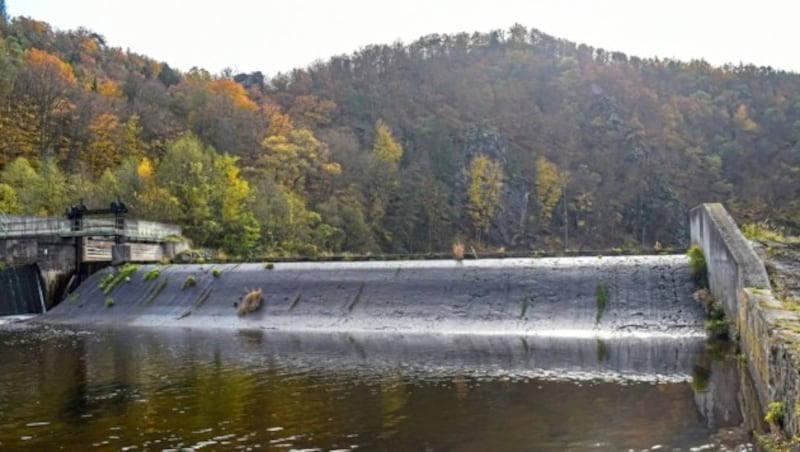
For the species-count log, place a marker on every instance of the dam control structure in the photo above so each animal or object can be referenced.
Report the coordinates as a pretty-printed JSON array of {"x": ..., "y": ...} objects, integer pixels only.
[{"x": 42, "y": 257}]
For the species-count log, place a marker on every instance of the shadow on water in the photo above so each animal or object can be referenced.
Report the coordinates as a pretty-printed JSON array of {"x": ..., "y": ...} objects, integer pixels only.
[{"x": 181, "y": 389}]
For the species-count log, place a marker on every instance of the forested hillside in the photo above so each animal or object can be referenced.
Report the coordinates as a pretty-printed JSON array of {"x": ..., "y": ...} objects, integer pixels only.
[{"x": 510, "y": 139}]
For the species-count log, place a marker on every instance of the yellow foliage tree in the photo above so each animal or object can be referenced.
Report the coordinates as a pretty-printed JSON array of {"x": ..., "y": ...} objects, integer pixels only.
[
  {"x": 130, "y": 142},
  {"x": 386, "y": 147},
  {"x": 101, "y": 151},
  {"x": 19, "y": 132},
  {"x": 145, "y": 170},
  {"x": 485, "y": 186},
  {"x": 9, "y": 204},
  {"x": 110, "y": 89},
  {"x": 240, "y": 231},
  {"x": 742, "y": 119},
  {"x": 298, "y": 161},
  {"x": 549, "y": 184},
  {"x": 280, "y": 124}
]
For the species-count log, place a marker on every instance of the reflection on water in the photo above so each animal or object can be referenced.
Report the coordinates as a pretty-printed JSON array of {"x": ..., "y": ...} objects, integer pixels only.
[{"x": 144, "y": 389}]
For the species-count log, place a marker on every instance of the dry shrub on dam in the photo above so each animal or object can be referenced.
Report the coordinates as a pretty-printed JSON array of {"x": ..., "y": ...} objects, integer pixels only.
[
  {"x": 458, "y": 251},
  {"x": 251, "y": 301}
]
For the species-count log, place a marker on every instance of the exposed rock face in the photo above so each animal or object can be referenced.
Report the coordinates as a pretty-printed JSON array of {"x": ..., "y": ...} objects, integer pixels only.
[{"x": 508, "y": 227}]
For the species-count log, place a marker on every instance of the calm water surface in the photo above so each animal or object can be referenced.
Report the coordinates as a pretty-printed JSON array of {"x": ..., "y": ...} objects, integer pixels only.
[{"x": 141, "y": 389}]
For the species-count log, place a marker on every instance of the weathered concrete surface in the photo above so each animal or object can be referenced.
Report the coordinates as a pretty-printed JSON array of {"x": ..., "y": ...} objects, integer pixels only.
[
  {"x": 738, "y": 278},
  {"x": 732, "y": 264},
  {"x": 649, "y": 295}
]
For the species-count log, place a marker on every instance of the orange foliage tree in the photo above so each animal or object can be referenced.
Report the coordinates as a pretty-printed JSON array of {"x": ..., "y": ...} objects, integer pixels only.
[{"x": 46, "y": 81}]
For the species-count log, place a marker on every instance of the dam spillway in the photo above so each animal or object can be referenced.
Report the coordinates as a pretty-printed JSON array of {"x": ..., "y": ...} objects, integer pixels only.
[
  {"x": 380, "y": 346},
  {"x": 574, "y": 297}
]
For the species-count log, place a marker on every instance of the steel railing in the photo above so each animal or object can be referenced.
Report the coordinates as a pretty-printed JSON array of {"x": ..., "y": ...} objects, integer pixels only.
[{"x": 25, "y": 227}]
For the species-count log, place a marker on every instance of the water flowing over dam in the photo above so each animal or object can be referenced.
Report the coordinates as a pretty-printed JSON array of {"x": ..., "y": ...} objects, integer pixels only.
[
  {"x": 21, "y": 291},
  {"x": 570, "y": 297}
]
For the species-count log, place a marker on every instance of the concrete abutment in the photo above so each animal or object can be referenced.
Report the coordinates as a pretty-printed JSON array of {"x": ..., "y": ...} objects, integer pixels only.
[{"x": 738, "y": 279}]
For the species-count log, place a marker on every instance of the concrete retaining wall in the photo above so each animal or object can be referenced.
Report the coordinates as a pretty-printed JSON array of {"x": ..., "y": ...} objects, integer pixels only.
[{"x": 738, "y": 279}]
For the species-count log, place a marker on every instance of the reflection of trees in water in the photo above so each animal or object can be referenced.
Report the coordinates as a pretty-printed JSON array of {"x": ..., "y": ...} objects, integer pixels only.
[
  {"x": 92, "y": 391},
  {"x": 182, "y": 389}
]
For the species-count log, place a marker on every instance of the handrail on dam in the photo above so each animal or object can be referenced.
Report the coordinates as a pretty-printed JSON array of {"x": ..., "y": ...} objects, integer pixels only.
[{"x": 133, "y": 230}]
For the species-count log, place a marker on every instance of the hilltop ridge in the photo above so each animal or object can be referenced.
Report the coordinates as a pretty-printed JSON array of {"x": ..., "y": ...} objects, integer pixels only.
[{"x": 509, "y": 139}]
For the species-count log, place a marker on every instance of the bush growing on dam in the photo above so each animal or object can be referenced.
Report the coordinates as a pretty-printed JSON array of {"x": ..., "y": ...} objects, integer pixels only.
[
  {"x": 189, "y": 282},
  {"x": 110, "y": 281},
  {"x": 774, "y": 414},
  {"x": 697, "y": 265},
  {"x": 152, "y": 274}
]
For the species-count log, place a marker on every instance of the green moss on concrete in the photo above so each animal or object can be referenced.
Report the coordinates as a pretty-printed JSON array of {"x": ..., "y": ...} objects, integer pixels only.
[
  {"x": 111, "y": 280},
  {"x": 601, "y": 297}
]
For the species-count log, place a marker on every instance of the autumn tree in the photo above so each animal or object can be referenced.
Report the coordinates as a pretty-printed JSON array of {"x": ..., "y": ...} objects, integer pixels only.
[
  {"x": 186, "y": 173},
  {"x": 288, "y": 226},
  {"x": 548, "y": 185},
  {"x": 386, "y": 147},
  {"x": 232, "y": 200},
  {"x": 344, "y": 213},
  {"x": 102, "y": 150},
  {"x": 381, "y": 181},
  {"x": 311, "y": 112},
  {"x": 484, "y": 193},
  {"x": 213, "y": 202},
  {"x": 299, "y": 163},
  {"x": 45, "y": 191},
  {"x": 22, "y": 178},
  {"x": 46, "y": 82},
  {"x": 9, "y": 204},
  {"x": 139, "y": 188},
  {"x": 280, "y": 124}
]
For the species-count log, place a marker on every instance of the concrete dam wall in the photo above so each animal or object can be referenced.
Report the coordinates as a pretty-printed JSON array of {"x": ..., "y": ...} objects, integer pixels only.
[
  {"x": 588, "y": 296},
  {"x": 763, "y": 323}
]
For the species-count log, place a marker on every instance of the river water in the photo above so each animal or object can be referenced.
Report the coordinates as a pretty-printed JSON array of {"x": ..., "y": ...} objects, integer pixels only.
[{"x": 171, "y": 389}]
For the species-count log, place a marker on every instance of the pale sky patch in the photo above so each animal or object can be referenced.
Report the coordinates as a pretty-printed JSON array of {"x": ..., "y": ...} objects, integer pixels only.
[{"x": 272, "y": 36}]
